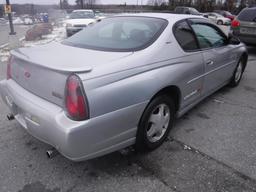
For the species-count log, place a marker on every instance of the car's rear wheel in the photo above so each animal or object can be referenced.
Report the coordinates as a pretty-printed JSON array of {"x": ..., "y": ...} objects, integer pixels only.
[
  {"x": 220, "y": 22},
  {"x": 155, "y": 124},
  {"x": 238, "y": 73}
]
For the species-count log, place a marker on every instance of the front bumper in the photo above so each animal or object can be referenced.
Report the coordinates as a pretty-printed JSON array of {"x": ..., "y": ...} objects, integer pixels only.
[
  {"x": 72, "y": 30},
  {"x": 76, "y": 140}
]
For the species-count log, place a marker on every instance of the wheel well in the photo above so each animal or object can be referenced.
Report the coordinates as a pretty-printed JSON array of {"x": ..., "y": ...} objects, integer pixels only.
[
  {"x": 244, "y": 59},
  {"x": 173, "y": 92}
]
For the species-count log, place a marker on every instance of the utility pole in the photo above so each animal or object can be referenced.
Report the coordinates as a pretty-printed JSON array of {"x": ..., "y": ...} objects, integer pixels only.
[{"x": 9, "y": 12}]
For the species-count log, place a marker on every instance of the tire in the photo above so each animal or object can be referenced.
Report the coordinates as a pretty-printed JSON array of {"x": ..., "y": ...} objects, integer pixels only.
[
  {"x": 238, "y": 73},
  {"x": 154, "y": 125},
  {"x": 219, "y": 22}
]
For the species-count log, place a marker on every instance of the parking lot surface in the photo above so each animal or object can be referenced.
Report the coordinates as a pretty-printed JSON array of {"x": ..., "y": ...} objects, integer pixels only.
[
  {"x": 211, "y": 148},
  {"x": 4, "y": 32}
]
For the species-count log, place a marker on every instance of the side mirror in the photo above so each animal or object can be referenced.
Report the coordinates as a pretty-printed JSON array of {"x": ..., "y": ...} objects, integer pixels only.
[{"x": 233, "y": 40}]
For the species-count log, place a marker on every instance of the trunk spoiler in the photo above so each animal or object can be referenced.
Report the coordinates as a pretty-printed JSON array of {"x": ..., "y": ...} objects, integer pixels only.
[{"x": 19, "y": 55}]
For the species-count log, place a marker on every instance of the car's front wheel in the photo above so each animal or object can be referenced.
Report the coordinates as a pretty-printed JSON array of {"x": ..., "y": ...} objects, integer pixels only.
[{"x": 155, "y": 123}]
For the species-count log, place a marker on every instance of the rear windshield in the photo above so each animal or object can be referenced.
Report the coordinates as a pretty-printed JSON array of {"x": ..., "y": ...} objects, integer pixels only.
[
  {"x": 119, "y": 34},
  {"x": 194, "y": 11},
  {"x": 82, "y": 15},
  {"x": 247, "y": 15},
  {"x": 227, "y": 13}
]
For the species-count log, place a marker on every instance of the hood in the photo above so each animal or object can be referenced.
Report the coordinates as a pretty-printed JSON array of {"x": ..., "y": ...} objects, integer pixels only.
[
  {"x": 59, "y": 57},
  {"x": 80, "y": 21}
]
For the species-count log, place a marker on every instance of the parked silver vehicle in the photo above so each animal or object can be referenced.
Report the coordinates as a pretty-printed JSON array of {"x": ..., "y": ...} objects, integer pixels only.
[
  {"x": 119, "y": 82},
  {"x": 244, "y": 26}
]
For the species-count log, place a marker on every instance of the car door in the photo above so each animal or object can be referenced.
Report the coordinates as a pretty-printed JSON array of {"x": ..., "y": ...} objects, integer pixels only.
[
  {"x": 218, "y": 56},
  {"x": 191, "y": 64}
]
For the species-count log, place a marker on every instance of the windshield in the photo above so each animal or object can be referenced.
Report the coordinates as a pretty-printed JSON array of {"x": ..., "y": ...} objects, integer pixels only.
[
  {"x": 227, "y": 13},
  {"x": 119, "y": 34},
  {"x": 82, "y": 15},
  {"x": 218, "y": 15},
  {"x": 247, "y": 15}
]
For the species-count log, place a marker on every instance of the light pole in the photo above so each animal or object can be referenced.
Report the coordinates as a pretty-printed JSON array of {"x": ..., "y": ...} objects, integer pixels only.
[{"x": 10, "y": 18}]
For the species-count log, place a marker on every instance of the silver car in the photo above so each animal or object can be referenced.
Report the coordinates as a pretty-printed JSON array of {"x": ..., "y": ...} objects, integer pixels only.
[
  {"x": 244, "y": 26},
  {"x": 119, "y": 82}
]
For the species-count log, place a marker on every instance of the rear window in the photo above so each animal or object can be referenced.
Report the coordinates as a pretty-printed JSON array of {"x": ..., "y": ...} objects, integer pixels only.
[
  {"x": 194, "y": 11},
  {"x": 247, "y": 15},
  {"x": 119, "y": 34},
  {"x": 185, "y": 36}
]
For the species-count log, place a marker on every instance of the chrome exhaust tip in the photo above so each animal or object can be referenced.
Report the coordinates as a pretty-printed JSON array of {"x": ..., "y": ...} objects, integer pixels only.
[
  {"x": 51, "y": 153},
  {"x": 10, "y": 117}
]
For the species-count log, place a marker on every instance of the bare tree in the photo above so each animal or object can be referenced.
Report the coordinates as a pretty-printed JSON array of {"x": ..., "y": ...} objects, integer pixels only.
[
  {"x": 64, "y": 4},
  {"x": 85, "y": 3},
  {"x": 156, "y": 2}
]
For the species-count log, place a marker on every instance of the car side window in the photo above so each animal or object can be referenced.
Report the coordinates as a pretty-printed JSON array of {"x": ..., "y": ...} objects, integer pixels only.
[
  {"x": 208, "y": 36},
  {"x": 185, "y": 36}
]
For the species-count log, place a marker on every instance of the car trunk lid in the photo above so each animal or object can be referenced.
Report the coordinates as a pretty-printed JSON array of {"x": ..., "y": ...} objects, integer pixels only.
[
  {"x": 43, "y": 70},
  {"x": 247, "y": 20}
]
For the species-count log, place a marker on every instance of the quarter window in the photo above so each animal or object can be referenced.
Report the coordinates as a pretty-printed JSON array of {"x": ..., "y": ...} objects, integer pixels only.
[
  {"x": 185, "y": 36},
  {"x": 208, "y": 36}
]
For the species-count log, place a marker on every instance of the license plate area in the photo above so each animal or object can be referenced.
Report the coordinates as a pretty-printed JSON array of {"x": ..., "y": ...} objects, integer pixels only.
[
  {"x": 20, "y": 118},
  {"x": 249, "y": 31}
]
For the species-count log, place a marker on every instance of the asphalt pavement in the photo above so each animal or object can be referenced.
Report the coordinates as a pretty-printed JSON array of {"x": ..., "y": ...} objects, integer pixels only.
[
  {"x": 211, "y": 148},
  {"x": 5, "y": 30}
]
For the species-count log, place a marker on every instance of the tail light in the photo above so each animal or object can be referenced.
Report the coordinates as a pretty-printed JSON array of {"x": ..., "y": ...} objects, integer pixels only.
[
  {"x": 75, "y": 100},
  {"x": 8, "y": 72},
  {"x": 235, "y": 23}
]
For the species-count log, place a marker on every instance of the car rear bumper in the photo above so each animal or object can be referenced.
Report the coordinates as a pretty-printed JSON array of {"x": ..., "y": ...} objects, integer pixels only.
[
  {"x": 247, "y": 39},
  {"x": 76, "y": 140}
]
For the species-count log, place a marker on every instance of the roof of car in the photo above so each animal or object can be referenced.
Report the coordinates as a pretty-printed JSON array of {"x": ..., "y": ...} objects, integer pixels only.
[{"x": 168, "y": 16}]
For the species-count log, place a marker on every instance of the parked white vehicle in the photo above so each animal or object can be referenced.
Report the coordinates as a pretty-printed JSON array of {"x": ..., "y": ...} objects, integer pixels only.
[
  {"x": 17, "y": 21},
  {"x": 219, "y": 19},
  {"x": 79, "y": 19},
  {"x": 28, "y": 21}
]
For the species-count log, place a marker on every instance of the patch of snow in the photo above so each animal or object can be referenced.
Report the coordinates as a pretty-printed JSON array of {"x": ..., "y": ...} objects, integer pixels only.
[
  {"x": 4, "y": 54},
  {"x": 187, "y": 147},
  {"x": 57, "y": 35}
]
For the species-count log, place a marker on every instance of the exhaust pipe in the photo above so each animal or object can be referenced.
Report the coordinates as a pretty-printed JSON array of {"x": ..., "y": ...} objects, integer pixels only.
[
  {"x": 10, "y": 117},
  {"x": 51, "y": 153}
]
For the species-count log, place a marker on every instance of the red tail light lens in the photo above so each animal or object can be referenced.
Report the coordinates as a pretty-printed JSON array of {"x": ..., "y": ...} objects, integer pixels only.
[
  {"x": 235, "y": 23},
  {"x": 8, "y": 72},
  {"x": 76, "y": 104}
]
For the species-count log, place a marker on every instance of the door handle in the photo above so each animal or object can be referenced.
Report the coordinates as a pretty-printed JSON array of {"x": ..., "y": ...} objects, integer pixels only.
[{"x": 210, "y": 62}]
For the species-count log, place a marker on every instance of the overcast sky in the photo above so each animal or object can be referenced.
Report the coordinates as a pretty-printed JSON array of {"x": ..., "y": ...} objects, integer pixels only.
[{"x": 72, "y": 1}]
